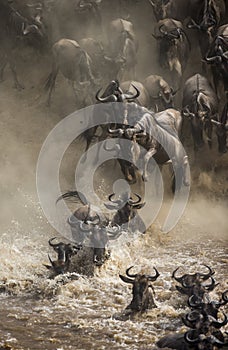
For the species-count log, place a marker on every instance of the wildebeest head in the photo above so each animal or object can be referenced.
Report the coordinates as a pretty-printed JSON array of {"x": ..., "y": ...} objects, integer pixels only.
[
  {"x": 126, "y": 207},
  {"x": 192, "y": 284},
  {"x": 160, "y": 8},
  {"x": 142, "y": 296},
  {"x": 64, "y": 251},
  {"x": 199, "y": 115},
  {"x": 98, "y": 237}
]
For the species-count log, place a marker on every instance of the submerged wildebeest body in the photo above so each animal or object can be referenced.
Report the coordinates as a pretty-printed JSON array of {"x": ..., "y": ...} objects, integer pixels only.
[
  {"x": 14, "y": 26},
  {"x": 142, "y": 288},
  {"x": 123, "y": 46},
  {"x": 75, "y": 65},
  {"x": 160, "y": 93},
  {"x": 200, "y": 105},
  {"x": 174, "y": 47},
  {"x": 217, "y": 57}
]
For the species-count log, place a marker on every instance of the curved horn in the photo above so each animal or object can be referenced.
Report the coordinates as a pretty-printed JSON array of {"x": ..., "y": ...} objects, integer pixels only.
[
  {"x": 153, "y": 278},
  {"x": 178, "y": 279},
  {"x": 116, "y": 132},
  {"x": 163, "y": 96},
  {"x": 207, "y": 275},
  {"x": 189, "y": 339},
  {"x": 225, "y": 297},
  {"x": 193, "y": 316},
  {"x": 51, "y": 244},
  {"x": 152, "y": 3},
  {"x": 131, "y": 202},
  {"x": 212, "y": 59},
  {"x": 126, "y": 279},
  {"x": 195, "y": 303},
  {"x": 218, "y": 324},
  {"x": 211, "y": 286},
  {"x": 186, "y": 112},
  {"x": 128, "y": 274},
  {"x": 110, "y": 98},
  {"x": 75, "y": 194},
  {"x": 131, "y": 96}
]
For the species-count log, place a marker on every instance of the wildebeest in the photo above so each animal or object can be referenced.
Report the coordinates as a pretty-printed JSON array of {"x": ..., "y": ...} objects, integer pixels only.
[
  {"x": 174, "y": 47},
  {"x": 75, "y": 65},
  {"x": 217, "y": 57},
  {"x": 65, "y": 252},
  {"x": 192, "y": 284},
  {"x": 200, "y": 105},
  {"x": 126, "y": 213},
  {"x": 152, "y": 130},
  {"x": 142, "y": 296},
  {"x": 14, "y": 26},
  {"x": 123, "y": 46},
  {"x": 207, "y": 306},
  {"x": 160, "y": 93},
  {"x": 177, "y": 9},
  {"x": 206, "y": 16}
]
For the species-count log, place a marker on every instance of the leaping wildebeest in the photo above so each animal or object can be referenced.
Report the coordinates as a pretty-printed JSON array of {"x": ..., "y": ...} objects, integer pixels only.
[
  {"x": 75, "y": 65},
  {"x": 200, "y": 105},
  {"x": 158, "y": 136},
  {"x": 174, "y": 47},
  {"x": 142, "y": 288},
  {"x": 13, "y": 27}
]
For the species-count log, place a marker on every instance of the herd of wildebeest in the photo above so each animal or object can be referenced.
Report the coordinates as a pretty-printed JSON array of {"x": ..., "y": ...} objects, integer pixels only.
[{"x": 94, "y": 44}]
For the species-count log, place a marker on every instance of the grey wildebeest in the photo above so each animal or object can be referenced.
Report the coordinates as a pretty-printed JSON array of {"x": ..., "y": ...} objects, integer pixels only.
[
  {"x": 150, "y": 131},
  {"x": 206, "y": 16},
  {"x": 174, "y": 47},
  {"x": 200, "y": 105},
  {"x": 141, "y": 289},
  {"x": 221, "y": 129},
  {"x": 75, "y": 65},
  {"x": 217, "y": 57},
  {"x": 123, "y": 46},
  {"x": 14, "y": 26},
  {"x": 160, "y": 93},
  {"x": 128, "y": 88}
]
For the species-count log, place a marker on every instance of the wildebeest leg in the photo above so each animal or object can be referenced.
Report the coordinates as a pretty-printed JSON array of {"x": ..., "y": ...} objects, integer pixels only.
[
  {"x": 208, "y": 130},
  {"x": 13, "y": 70},
  {"x": 50, "y": 83},
  {"x": 147, "y": 157},
  {"x": 3, "y": 63}
]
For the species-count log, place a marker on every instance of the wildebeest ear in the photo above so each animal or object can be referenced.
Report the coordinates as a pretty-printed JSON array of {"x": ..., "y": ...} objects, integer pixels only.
[
  {"x": 139, "y": 206},
  {"x": 126, "y": 279}
]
